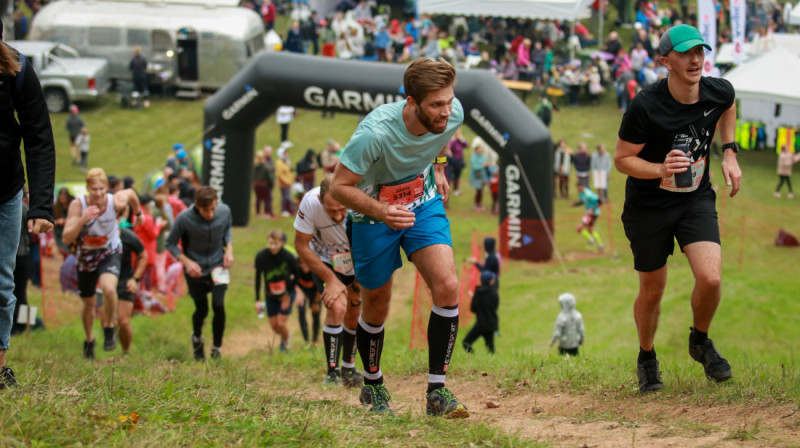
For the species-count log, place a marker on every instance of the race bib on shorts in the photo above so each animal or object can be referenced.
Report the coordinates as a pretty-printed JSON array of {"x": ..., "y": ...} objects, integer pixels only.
[
  {"x": 220, "y": 276},
  {"x": 277, "y": 288},
  {"x": 94, "y": 242},
  {"x": 342, "y": 262},
  {"x": 402, "y": 194},
  {"x": 697, "y": 168}
]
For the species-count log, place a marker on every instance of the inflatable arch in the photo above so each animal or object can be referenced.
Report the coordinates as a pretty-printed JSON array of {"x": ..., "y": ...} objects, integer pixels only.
[{"x": 491, "y": 110}]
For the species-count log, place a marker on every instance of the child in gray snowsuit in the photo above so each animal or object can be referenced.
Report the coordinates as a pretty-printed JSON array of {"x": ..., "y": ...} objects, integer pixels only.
[{"x": 569, "y": 331}]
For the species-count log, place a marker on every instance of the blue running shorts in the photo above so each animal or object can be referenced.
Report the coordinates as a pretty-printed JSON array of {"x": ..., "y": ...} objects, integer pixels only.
[{"x": 376, "y": 247}]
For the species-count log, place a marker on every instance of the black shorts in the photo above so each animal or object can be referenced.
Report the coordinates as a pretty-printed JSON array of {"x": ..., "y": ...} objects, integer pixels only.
[
  {"x": 87, "y": 280},
  {"x": 652, "y": 232},
  {"x": 346, "y": 280},
  {"x": 122, "y": 291},
  {"x": 274, "y": 305}
]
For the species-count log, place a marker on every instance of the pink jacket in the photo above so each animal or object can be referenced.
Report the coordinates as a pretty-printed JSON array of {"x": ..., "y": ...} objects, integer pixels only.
[{"x": 785, "y": 162}]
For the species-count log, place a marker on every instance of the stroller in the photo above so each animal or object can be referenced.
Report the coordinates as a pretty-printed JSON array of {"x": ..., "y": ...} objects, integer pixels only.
[{"x": 128, "y": 98}]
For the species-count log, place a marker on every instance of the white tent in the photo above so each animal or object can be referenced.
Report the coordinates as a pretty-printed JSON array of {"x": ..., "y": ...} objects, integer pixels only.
[
  {"x": 764, "y": 82},
  {"x": 532, "y": 9},
  {"x": 794, "y": 18},
  {"x": 760, "y": 45}
]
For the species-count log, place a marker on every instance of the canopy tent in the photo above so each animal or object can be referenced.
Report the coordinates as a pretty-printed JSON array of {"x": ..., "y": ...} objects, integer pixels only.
[
  {"x": 760, "y": 45},
  {"x": 794, "y": 17},
  {"x": 765, "y": 82},
  {"x": 531, "y": 9}
]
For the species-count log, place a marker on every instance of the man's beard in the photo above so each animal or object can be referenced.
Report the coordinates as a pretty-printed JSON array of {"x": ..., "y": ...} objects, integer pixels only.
[{"x": 427, "y": 122}]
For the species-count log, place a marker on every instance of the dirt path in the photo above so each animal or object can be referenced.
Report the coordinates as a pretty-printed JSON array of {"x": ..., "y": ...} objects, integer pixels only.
[{"x": 565, "y": 420}]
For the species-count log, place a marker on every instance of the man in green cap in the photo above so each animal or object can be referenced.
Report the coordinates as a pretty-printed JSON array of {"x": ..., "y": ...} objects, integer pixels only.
[{"x": 663, "y": 147}]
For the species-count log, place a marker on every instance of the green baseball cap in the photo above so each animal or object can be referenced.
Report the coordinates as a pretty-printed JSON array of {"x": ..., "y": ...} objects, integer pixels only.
[{"x": 681, "y": 38}]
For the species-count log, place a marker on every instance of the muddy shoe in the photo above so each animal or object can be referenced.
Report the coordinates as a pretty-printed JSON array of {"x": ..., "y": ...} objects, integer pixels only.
[
  {"x": 649, "y": 376},
  {"x": 198, "y": 347},
  {"x": 88, "y": 349},
  {"x": 378, "y": 396},
  {"x": 716, "y": 367},
  {"x": 442, "y": 403},
  {"x": 351, "y": 377}
]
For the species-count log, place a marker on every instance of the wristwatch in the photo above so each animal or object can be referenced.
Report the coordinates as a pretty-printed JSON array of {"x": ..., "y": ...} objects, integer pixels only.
[
  {"x": 440, "y": 160},
  {"x": 732, "y": 145}
]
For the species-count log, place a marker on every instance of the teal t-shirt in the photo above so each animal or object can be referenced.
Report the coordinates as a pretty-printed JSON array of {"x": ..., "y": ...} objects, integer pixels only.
[
  {"x": 590, "y": 200},
  {"x": 383, "y": 152}
]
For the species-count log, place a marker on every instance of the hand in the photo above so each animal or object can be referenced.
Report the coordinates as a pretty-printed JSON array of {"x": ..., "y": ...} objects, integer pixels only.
[
  {"x": 227, "y": 259},
  {"x": 259, "y": 306},
  {"x": 193, "y": 269},
  {"x": 131, "y": 285},
  {"x": 300, "y": 300},
  {"x": 39, "y": 225},
  {"x": 160, "y": 221},
  {"x": 472, "y": 260},
  {"x": 675, "y": 162},
  {"x": 398, "y": 217},
  {"x": 732, "y": 172},
  {"x": 91, "y": 212},
  {"x": 334, "y": 291},
  {"x": 138, "y": 220},
  {"x": 442, "y": 186},
  {"x": 285, "y": 302}
]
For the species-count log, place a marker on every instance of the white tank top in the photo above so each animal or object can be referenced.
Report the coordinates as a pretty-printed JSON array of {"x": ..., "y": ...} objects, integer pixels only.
[{"x": 103, "y": 231}]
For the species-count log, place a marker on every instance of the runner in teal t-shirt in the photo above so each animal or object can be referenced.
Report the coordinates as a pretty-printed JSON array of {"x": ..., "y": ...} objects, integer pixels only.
[{"x": 390, "y": 177}]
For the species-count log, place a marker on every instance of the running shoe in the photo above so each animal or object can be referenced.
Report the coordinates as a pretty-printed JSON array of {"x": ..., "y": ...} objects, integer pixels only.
[
  {"x": 216, "y": 352},
  {"x": 198, "y": 346},
  {"x": 109, "y": 339},
  {"x": 716, "y": 367},
  {"x": 333, "y": 378},
  {"x": 442, "y": 403},
  {"x": 7, "y": 378},
  {"x": 88, "y": 349},
  {"x": 649, "y": 376},
  {"x": 378, "y": 396},
  {"x": 351, "y": 377}
]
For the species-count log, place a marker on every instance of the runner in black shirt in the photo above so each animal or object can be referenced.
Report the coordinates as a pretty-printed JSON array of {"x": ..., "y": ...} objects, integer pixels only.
[
  {"x": 279, "y": 270},
  {"x": 681, "y": 111},
  {"x": 128, "y": 284}
]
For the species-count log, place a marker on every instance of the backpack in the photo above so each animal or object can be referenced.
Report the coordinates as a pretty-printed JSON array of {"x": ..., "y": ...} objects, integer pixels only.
[{"x": 544, "y": 113}]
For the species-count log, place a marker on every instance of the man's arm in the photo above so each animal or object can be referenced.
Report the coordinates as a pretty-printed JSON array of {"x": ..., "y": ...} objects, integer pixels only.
[
  {"x": 40, "y": 151},
  {"x": 192, "y": 269},
  {"x": 141, "y": 263},
  {"x": 627, "y": 161},
  {"x": 334, "y": 289},
  {"x": 344, "y": 190},
  {"x": 74, "y": 222},
  {"x": 730, "y": 166},
  {"x": 125, "y": 198},
  {"x": 442, "y": 186}
]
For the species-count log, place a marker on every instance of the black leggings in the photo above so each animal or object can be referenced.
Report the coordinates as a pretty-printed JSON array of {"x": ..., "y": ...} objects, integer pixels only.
[
  {"x": 788, "y": 181},
  {"x": 199, "y": 289},
  {"x": 301, "y": 317},
  {"x": 473, "y": 336}
]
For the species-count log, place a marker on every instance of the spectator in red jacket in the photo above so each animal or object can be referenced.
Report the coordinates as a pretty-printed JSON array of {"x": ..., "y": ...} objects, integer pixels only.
[{"x": 148, "y": 232}]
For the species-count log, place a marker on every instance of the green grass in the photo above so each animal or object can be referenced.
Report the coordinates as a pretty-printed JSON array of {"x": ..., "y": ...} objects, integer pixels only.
[{"x": 270, "y": 399}]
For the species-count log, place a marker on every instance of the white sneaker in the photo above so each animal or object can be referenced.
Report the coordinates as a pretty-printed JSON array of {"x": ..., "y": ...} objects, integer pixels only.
[
  {"x": 285, "y": 214},
  {"x": 777, "y": 194},
  {"x": 790, "y": 196}
]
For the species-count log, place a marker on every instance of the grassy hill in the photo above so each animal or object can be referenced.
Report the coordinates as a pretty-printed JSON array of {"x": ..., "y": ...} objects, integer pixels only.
[{"x": 257, "y": 396}]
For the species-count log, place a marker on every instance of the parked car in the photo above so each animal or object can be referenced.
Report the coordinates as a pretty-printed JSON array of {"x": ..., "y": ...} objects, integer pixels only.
[{"x": 65, "y": 76}]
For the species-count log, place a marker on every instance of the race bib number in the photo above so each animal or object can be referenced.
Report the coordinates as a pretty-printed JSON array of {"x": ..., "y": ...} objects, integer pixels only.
[
  {"x": 402, "y": 194},
  {"x": 342, "y": 262},
  {"x": 95, "y": 242},
  {"x": 277, "y": 288},
  {"x": 697, "y": 168},
  {"x": 220, "y": 276}
]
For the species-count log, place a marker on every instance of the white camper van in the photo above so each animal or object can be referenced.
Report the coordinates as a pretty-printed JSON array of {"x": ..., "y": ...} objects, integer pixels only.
[{"x": 192, "y": 46}]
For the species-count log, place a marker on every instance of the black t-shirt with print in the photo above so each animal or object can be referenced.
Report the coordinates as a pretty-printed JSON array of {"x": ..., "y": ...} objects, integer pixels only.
[{"x": 656, "y": 119}]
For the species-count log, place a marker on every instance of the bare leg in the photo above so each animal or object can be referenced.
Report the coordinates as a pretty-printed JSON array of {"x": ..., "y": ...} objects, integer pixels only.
[
  {"x": 87, "y": 316},
  {"x": 437, "y": 266},
  {"x": 705, "y": 259},
  {"x": 647, "y": 307},
  {"x": 124, "y": 310},
  {"x": 108, "y": 284}
]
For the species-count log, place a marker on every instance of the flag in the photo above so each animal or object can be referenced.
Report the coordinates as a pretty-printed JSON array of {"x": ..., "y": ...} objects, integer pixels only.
[
  {"x": 707, "y": 22},
  {"x": 738, "y": 13}
]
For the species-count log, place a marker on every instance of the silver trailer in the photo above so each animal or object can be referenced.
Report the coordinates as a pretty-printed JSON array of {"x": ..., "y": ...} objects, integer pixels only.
[{"x": 188, "y": 45}]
